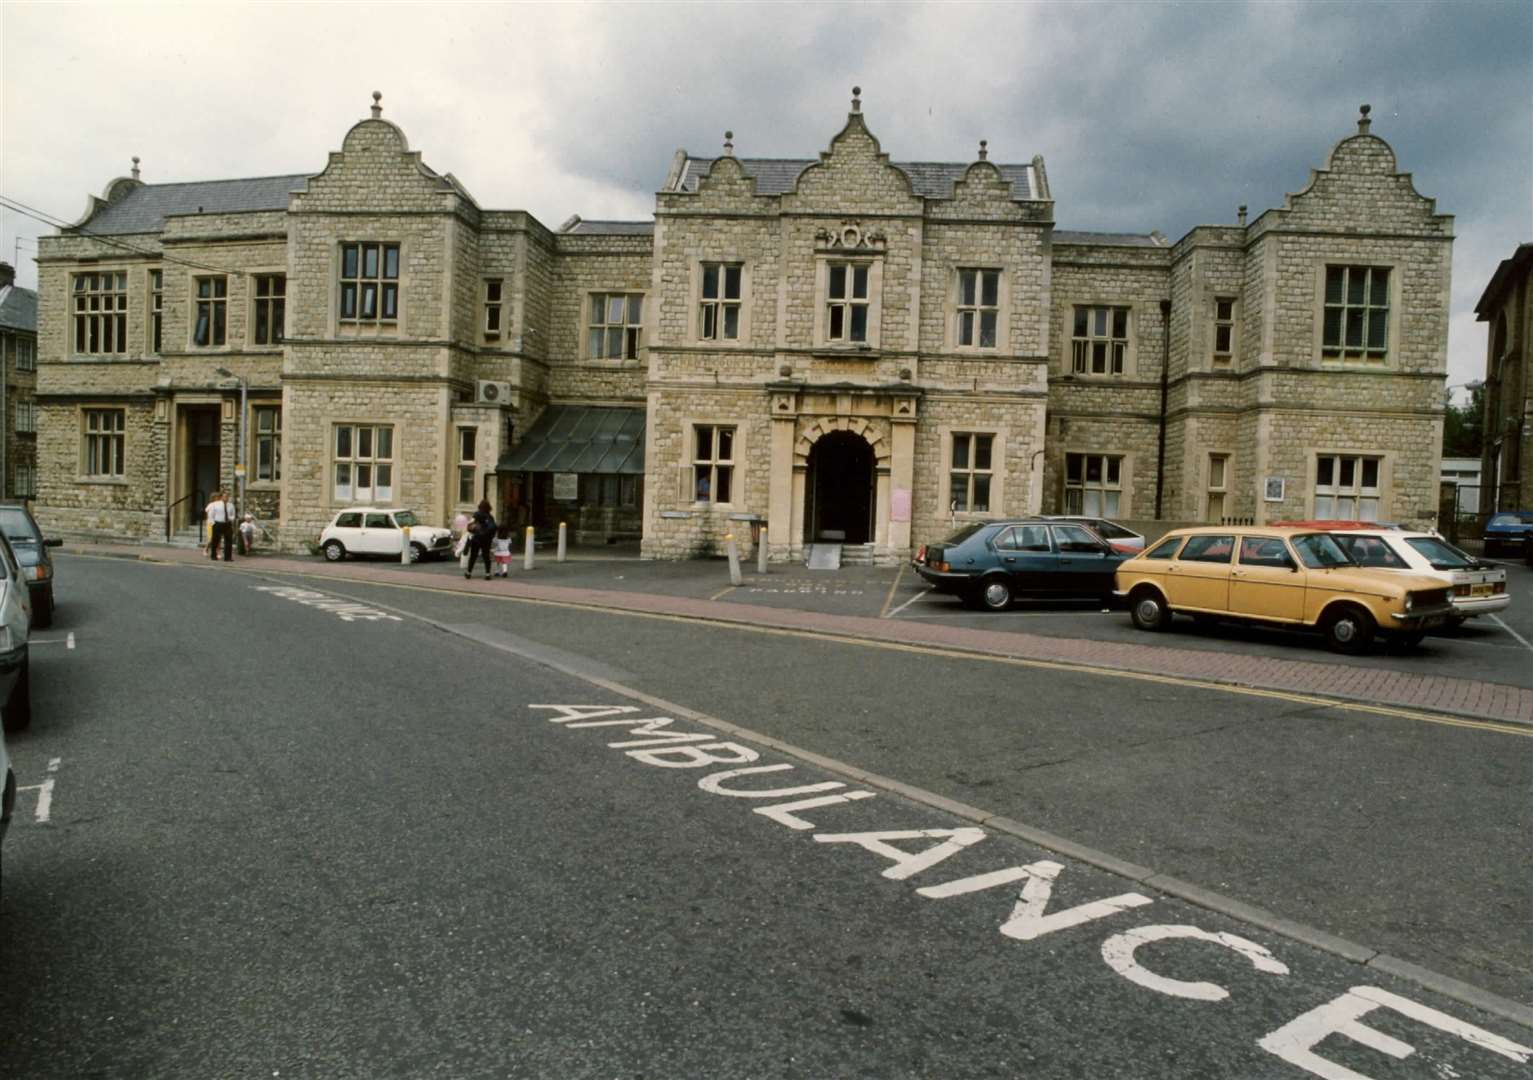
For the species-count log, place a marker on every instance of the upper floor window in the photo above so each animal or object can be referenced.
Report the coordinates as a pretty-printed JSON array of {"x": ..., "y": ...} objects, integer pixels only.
[
  {"x": 26, "y": 354},
  {"x": 101, "y": 312},
  {"x": 846, "y": 302},
  {"x": 1224, "y": 331},
  {"x": 1100, "y": 342},
  {"x": 1093, "y": 484},
  {"x": 268, "y": 442},
  {"x": 971, "y": 471},
  {"x": 369, "y": 283},
  {"x": 270, "y": 308},
  {"x": 979, "y": 300},
  {"x": 719, "y": 310},
  {"x": 211, "y": 327},
  {"x": 616, "y": 326},
  {"x": 104, "y": 442},
  {"x": 156, "y": 307},
  {"x": 713, "y": 460},
  {"x": 1347, "y": 487},
  {"x": 1218, "y": 486},
  {"x": 364, "y": 462},
  {"x": 494, "y": 297},
  {"x": 1356, "y": 313},
  {"x": 26, "y": 415}
]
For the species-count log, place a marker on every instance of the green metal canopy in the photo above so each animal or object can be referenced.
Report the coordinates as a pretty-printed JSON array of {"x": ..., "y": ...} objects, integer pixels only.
[{"x": 580, "y": 439}]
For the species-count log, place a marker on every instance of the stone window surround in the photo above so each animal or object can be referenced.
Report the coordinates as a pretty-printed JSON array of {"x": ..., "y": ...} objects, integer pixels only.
[
  {"x": 253, "y": 301},
  {"x": 82, "y": 419},
  {"x": 1207, "y": 475},
  {"x": 1003, "y": 312},
  {"x": 1131, "y": 351},
  {"x": 739, "y": 455},
  {"x": 999, "y": 434},
  {"x": 1386, "y": 459},
  {"x": 71, "y": 327},
  {"x": 253, "y": 480},
  {"x": 874, "y": 260},
  {"x": 394, "y": 461},
  {"x": 1125, "y": 478},
  {"x": 1391, "y": 357},
  {"x": 1229, "y": 361},
  {"x": 587, "y": 315},
  {"x": 394, "y": 328},
  {"x": 695, "y": 302},
  {"x": 492, "y": 298},
  {"x": 196, "y": 299},
  {"x": 466, "y": 468},
  {"x": 154, "y": 289}
]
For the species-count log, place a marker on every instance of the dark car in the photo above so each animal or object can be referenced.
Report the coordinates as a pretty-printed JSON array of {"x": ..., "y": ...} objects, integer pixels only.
[
  {"x": 20, "y": 528},
  {"x": 991, "y": 563},
  {"x": 1508, "y": 531}
]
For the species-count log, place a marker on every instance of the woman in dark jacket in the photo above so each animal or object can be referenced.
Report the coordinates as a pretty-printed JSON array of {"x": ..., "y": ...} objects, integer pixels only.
[{"x": 481, "y": 532}]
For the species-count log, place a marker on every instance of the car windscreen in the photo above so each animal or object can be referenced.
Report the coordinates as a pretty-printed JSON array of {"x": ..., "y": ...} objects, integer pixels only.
[
  {"x": 405, "y": 519},
  {"x": 1110, "y": 531},
  {"x": 1319, "y": 551},
  {"x": 964, "y": 533},
  {"x": 1441, "y": 554},
  {"x": 17, "y": 526}
]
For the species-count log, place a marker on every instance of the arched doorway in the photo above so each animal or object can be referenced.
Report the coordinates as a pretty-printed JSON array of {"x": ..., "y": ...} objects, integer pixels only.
[{"x": 838, "y": 490}]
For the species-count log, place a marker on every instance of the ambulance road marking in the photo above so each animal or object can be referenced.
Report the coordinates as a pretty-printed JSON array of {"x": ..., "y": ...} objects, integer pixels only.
[
  {"x": 924, "y": 592},
  {"x": 652, "y": 740},
  {"x": 44, "y": 791},
  {"x": 344, "y": 609}
]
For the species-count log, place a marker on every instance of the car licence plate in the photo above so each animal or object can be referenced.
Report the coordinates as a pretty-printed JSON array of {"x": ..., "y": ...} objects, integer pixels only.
[{"x": 1480, "y": 590}]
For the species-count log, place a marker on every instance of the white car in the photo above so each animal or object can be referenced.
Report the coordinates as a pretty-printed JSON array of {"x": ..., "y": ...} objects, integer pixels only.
[
  {"x": 1120, "y": 538},
  {"x": 379, "y": 530},
  {"x": 1477, "y": 588},
  {"x": 15, "y": 630}
]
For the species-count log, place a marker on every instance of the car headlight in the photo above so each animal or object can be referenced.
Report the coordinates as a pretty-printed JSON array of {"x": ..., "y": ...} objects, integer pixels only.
[
  {"x": 36, "y": 573},
  {"x": 1410, "y": 600}
]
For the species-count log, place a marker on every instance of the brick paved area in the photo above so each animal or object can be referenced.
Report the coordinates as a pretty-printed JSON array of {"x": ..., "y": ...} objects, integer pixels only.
[{"x": 1372, "y": 685}]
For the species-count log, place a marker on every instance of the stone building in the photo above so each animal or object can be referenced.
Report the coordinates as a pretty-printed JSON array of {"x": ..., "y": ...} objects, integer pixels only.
[
  {"x": 842, "y": 348},
  {"x": 18, "y": 387},
  {"x": 1506, "y": 478}
]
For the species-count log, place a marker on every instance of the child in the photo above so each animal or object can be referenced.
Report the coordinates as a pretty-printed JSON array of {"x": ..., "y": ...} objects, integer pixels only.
[
  {"x": 247, "y": 534},
  {"x": 503, "y": 550}
]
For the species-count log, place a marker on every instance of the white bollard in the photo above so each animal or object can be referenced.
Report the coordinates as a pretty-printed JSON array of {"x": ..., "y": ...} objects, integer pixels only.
[
  {"x": 761, "y": 551},
  {"x": 404, "y": 548},
  {"x": 527, "y": 560},
  {"x": 562, "y": 545},
  {"x": 734, "y": 558}
]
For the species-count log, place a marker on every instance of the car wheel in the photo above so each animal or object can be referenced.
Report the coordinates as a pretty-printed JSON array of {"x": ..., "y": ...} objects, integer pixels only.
[
  {"x": 42, "y": 615},
  {"x": 1147, "y": 608},
  {"x": 1349, "y": 630},
  {"x": 334, "y": 550},
  {"x": 17, "y": 715},
  {"x": 417, "y": 552},
  {"x": 995, "y": 594}
]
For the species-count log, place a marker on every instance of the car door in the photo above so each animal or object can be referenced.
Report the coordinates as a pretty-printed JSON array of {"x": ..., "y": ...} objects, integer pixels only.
[
  {"x": 1029, "y": 561},
  {"x": 1266, "y": 582},
  {"x": 1085, "y": 568},
  {"x": 1199, "y": 577},
  {"x": 380, "y": 535}
]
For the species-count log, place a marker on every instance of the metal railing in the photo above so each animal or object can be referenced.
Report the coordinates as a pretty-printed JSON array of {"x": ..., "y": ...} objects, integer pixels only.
[{"x": 169, "y": 510}]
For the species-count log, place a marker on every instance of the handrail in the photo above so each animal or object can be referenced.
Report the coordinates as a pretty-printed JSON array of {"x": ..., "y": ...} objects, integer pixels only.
[{"x": 195, "y": 493}]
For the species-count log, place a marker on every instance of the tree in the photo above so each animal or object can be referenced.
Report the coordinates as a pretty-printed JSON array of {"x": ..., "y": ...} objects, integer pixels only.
[{"x": 1464, "y": 425}]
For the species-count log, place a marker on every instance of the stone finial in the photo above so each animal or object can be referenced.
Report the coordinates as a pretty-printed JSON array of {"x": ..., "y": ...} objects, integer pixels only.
[
  {"x": 729, "y": 144},
  {"x": 1362, "y": 119},
  {"x": 856, "y": 99},
  {"x": 984, "y": 153},
  {"x": 1240, "y": 214},
  {"x": 134, "y": 173},
  {"x": 377, "y": 108}
]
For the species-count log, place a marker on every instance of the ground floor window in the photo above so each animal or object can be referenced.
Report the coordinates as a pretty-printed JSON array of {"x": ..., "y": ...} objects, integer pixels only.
[
  {"x": 104, "y": 442},
  {"x": 268, "y": 442},
  {"x": 24, "y": 481},
  {"x": 467, "y": 437},
  {"x": 1093, "y": 484},
  {"x": 713, "y": 460},
  {"x": 1218, "y": 487},
  {"x": 1347, "y": 487},
  {"x": 971, "y": 471},
  {"x": 364, "y": 463},
  {"x": 610, "y": 490}
]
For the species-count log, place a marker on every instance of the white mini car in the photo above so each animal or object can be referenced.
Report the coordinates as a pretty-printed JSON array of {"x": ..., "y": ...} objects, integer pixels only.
[
  {"x": 1477, "y": 587},
  {"x": 379, "y": 530}
]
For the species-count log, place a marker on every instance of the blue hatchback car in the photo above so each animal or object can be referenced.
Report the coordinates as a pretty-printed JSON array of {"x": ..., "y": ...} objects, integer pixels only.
[
  {"x": 989, "y": 564},
  {"x": 1508, "y": 531}
]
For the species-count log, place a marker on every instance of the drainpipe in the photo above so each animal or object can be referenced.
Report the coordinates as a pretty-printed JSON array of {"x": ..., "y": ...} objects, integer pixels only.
[{"x": 1165, "y": 376}]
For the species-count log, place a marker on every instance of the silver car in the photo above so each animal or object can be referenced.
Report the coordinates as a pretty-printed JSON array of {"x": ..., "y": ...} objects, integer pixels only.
[{"x": 1115, "y": 534}]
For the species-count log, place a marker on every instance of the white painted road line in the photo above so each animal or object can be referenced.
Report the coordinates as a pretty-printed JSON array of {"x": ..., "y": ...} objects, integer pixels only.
[
  {"x": 71, "y": 639},
  {"x": 44, "y": 793},
  {"x": 1515, "y": 634},
  {"x": 907, "y": 603}
]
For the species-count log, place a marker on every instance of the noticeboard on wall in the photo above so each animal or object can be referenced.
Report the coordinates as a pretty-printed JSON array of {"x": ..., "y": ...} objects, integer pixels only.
[{"x": 566, "y": 486}]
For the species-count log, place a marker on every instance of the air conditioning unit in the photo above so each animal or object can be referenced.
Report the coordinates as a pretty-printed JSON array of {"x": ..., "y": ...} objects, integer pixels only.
[{"x": 493, "y": 393}]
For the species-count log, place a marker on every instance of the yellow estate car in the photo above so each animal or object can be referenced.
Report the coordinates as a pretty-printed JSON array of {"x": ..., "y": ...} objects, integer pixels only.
[{"x": 1286, "y": 576}]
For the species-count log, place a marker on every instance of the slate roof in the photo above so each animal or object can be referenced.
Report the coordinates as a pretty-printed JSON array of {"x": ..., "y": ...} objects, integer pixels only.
[
  {"x": 144, "y": 208},
  {"x": 932, "y": 179},
  {"x": 1065, "y": 236},
  {"x": 18, "y": 308},
  {"x": 611, "y": 228}
]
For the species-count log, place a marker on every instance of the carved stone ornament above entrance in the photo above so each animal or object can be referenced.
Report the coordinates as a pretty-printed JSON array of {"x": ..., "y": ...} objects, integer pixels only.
[{"x": 850, "y": 237}]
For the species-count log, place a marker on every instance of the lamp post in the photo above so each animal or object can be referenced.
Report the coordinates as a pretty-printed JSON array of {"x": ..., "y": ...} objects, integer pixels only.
[{"x": 239, "y": 465}]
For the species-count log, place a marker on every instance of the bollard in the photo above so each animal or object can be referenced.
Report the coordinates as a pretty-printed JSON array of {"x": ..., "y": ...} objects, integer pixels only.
[
  {"x": 404, "y": 548},
  {"x": 527, "y": 561},
  {"x": 761, "y": 552},
  {"x": 734, "y": 558},
  {"x": 560, "y": 556}
]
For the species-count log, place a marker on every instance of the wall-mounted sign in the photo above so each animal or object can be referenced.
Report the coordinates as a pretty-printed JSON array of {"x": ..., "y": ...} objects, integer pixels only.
[
  {"x": 899, "y": 504},
  {"x": 1274, "y": 489},
  {"x": 566, "y": 486}
]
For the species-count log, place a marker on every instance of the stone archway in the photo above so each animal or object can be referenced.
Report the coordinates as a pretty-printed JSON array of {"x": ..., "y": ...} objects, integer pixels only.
[{"x": 841, "y": 472}]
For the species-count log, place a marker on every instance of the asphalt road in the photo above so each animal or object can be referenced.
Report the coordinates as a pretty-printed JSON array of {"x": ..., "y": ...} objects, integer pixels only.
[{"x": 303, "y": 831}]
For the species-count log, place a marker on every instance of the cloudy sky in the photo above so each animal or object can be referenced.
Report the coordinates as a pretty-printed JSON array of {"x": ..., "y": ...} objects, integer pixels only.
[{"x": 1150, "y": 115}]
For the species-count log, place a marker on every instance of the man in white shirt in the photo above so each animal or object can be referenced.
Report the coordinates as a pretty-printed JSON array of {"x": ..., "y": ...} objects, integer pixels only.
[{"x": 221, "y": 515}]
